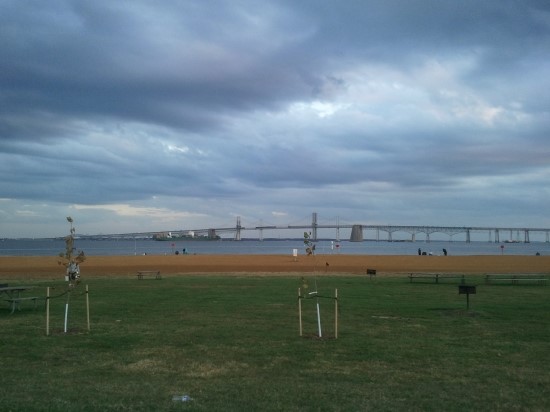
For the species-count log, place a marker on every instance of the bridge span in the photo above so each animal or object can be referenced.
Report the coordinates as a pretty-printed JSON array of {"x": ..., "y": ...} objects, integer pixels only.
[{"x": 494, "y": 234}]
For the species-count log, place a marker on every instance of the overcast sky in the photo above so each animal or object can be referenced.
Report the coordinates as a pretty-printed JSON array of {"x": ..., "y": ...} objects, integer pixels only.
[{"x": 144, "y": 116}]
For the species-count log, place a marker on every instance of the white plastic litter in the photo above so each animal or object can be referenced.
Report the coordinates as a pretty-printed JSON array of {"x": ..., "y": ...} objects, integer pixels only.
[{"x": 181, "y": 398}]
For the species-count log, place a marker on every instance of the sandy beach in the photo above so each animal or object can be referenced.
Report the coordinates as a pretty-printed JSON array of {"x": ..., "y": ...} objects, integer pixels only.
[{"x": 172, "y": 265}]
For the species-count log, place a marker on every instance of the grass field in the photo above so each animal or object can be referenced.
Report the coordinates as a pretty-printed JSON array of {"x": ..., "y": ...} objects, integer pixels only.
[{"x": 231, "y": 343}]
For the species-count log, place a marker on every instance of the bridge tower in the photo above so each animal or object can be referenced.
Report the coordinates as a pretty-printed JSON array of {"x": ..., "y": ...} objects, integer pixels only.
[
  {"x": 356, "y": 233},
  {"x": 314, "y": 226},
  {"x": 238, "y": 228}
]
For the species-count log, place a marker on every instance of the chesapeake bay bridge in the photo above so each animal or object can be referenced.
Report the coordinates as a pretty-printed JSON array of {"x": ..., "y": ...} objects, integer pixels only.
[{"x": 358, "y": 232}]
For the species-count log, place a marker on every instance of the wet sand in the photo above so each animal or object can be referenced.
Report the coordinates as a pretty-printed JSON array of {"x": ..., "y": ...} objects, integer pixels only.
[{"x": 173, "y": 265}]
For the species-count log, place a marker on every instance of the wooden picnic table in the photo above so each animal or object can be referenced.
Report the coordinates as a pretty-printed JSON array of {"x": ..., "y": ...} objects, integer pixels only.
[
  {"x": 14, "y": 297},
  {"x": 516, "y": 279},
  {"x": 14, "y": 291},
  {"x": 142, "y": 273},
  {"x": 436, "y": 276}
]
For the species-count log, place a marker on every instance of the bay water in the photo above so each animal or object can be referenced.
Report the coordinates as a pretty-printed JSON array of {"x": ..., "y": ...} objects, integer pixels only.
[{"x": 128, "y": 247}]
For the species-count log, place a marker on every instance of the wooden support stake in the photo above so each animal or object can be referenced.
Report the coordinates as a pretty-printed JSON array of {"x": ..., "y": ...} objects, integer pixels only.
[
  {"x": 336, "y": 313},
  {"x": 48, "y": 311},
  {"x": 87, "y": 308},
  {"x": 300, "y": 310}
]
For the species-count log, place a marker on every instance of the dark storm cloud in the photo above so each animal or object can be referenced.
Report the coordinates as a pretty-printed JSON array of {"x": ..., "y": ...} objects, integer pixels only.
[
  {"x": 176, "y": 64},
  {"x": 166, "y": 64}
]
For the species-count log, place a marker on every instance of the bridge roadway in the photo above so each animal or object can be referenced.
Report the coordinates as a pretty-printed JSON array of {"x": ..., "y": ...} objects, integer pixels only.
[{"x": 494, "y": 233}]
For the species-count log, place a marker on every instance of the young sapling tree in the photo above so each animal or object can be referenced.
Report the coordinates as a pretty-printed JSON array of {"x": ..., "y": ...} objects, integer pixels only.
[{"x": 70, "y": 258}]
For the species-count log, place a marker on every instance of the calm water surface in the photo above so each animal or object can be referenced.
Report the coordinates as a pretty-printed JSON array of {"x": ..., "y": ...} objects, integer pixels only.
[{"x": 256, "y": 247}]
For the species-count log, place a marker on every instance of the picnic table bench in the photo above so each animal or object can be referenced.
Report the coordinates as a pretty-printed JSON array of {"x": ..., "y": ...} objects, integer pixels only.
[
  {"x": 516, "y": 279},
  {"x": 142, "y": 273},
  {"x": 16, "y": 301},
  {"x": 435, "y": 276}
]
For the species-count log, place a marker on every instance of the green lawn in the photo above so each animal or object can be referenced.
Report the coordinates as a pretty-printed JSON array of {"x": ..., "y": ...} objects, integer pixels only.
[{"x": 231, "y": 343}]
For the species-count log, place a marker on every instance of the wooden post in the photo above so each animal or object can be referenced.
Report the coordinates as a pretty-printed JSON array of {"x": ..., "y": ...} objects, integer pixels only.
[
  {"x": 87, "y": 308},
  {"x": 48, "y": 311},
  {"x": 335, "y": 313},
  {"x": 300, "y": 310}
]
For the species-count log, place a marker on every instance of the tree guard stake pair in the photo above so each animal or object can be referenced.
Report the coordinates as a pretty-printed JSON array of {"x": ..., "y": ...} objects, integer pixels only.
[{"x": 317, "y": 297}]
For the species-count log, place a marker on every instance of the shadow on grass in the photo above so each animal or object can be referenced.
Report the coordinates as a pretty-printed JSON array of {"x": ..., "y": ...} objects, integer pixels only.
[{"x": 313, "y": 336}]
